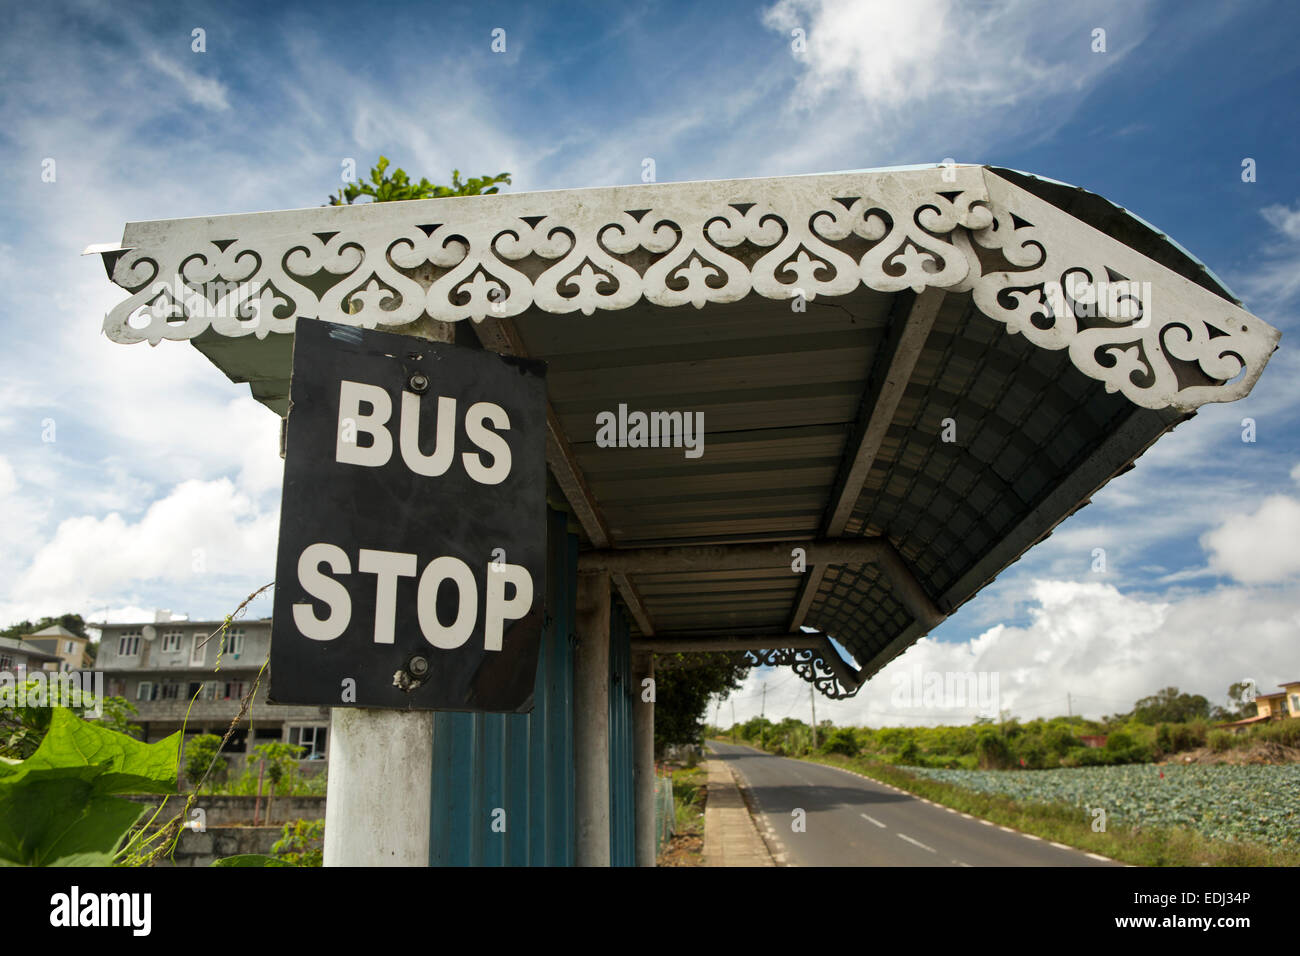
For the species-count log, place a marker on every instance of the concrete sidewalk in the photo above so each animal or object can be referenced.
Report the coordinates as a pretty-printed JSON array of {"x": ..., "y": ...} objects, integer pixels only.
[{"x": 730, "y": 837}]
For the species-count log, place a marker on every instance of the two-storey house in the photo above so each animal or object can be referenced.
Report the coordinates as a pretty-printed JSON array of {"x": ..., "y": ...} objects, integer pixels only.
[
  {"x": 68, "y": 648},
  {"x": 162, "y": 666}
]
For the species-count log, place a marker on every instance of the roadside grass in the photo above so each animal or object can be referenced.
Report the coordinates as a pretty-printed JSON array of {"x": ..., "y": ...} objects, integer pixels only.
[
  {"x": 686, "y": 846},
  {"x": 688, "y": 799},
  {"x": 1139, "y": 845}
]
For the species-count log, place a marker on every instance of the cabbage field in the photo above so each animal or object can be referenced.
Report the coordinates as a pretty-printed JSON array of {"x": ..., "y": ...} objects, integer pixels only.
[{"x": 1255, "y": 803}]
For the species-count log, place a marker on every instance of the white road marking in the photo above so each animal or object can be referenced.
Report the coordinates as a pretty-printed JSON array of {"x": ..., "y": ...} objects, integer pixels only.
[
  {"x": 1098, "y": 856},
  {"x": 904, "y": 836},
  {"x": 875, "y": 821},
  {"x": 987, "y": 823},
  {"x": 1059, "y": 846},
  {"x": 1008, "y": 829},
  {"x": 1030, "y": 836},
  {"x": 960, "y": 863}
]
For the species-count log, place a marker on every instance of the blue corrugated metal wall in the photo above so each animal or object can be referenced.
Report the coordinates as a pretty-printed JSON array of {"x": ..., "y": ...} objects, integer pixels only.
[
  {"x": 523, "y": 763},
  {"x": 622, "y": 827}
]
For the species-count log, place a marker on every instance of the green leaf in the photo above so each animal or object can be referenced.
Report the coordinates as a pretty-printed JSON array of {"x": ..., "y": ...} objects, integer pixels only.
[
  {"x": 55, "y": 813},
  {"x": 58, "y": 804},
  {"x": 121, "y": 764},
  {"x": 250, "y": 859},
  {"x": 84, "y": 859}
]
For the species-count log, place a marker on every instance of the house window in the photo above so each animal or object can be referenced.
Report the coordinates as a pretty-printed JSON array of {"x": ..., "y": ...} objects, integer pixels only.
[
  {"x": 1295, "y": 704},
  {"x": 311, "y": 739},
  {"x": 6, "y": 662},
  {"x": 198, "y": 650},
  {"x": 128, "y": 645},
  {"x": 170, "y": 690},
  {"x": 146, "y": 691},
  {"x": 206, "y": 690},
  {"x": 232, "y": 690},
  {"x": 67, "y": 647},
  {"x": 235, "y": 643},
  {"x": 171, "y": 642}
]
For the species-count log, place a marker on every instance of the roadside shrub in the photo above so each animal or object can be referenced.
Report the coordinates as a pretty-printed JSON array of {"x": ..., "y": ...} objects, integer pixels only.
[
  {"x": 1165, "y": 738},
  {"x": 1124, "y": 747},
  {"x": 1220, "y": 740},
  {"x": 1174, "y": 738},
  {"x": 1285, "y": 732},
  {"x": 991, "y": 751},
  {"x": 1033, "y": 754},
  {"x": 199, "y": 753},
  {"x": 842, "y": 740},
  {"x": 302, "y": 843}
]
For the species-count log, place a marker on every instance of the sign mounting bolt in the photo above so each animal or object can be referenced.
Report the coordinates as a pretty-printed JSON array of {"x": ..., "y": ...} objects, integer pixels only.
[
  {"x": 419, "y": 382},
  {"x": 418, "y": 667}
]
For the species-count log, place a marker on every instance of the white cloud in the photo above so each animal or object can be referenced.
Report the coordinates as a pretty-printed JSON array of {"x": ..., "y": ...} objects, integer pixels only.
[
  {"x": 1284, "y": 219},
  {"x": 893, "y": 55},
  {"x": 202, "y": 533},
  {"x": 1087, "y": 640},
  {"x": 1259, "y": 547},
  {"x": 1276, "y": 281},
  {"x": 201, "y": 90}
]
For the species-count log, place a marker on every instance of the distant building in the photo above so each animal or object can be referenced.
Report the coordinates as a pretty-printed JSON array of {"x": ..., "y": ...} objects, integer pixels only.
[
  {"x": 1292, "y": 690},
  {"x": 1271, "y": 707},
  {"x": 68, "y": 648},
  {"x": 161, "y": 666},
  {"x": 20, "y": 657}
]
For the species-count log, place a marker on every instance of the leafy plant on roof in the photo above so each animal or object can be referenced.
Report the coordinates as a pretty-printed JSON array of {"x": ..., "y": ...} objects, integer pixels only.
[{"x": 397, "y": 186}]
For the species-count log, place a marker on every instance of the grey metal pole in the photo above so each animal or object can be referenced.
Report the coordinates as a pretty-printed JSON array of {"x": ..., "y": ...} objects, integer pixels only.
[
  {"x": 643, "y": 750},
  {"x": 381, "y": 764},
  {"x": 812, "y": 696},
  {"x": 591, "y": 721}
]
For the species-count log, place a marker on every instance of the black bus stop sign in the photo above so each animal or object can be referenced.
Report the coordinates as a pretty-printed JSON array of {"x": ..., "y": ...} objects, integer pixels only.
[{"x": 411, "y": 570}]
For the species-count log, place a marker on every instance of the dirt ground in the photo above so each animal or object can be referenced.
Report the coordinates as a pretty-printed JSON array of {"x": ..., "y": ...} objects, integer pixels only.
[
  {"x": 1260, "y": 753},
  {"x": 684, "y": 849}
]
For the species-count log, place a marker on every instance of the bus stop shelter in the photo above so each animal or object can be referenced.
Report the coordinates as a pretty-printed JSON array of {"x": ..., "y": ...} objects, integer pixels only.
[{"x": 907, "y": 377}]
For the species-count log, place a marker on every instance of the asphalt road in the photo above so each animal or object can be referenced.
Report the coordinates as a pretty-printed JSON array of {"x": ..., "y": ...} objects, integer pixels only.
[{"x": 851, "y": 821}]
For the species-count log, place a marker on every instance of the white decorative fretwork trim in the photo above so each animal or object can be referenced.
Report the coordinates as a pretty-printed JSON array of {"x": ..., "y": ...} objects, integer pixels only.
[{"x": 1027, "y": 264}]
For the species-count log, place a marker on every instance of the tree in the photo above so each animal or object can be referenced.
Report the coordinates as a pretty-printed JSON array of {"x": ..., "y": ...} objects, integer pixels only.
[
  {"x": 1240, "y": 707},
  {"x": 71, "y": 622},
  {"x": 398, "y": 187},
  {"x": 1171, "y": 706},
  {"x": 684, "y": 683}
]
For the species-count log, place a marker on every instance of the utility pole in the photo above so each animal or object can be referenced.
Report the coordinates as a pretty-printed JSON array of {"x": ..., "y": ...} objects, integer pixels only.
[
  {"x": 1068, "y": 712},
  {"x": 812, "y": 696},
  {"x": 733, "y": 720},
  {"x": 763, "y": 711}
]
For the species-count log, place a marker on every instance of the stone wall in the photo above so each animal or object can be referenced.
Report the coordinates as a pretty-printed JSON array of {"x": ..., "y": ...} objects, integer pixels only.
[
  {"x": 222, "y": 810},
  {"x": 202, "y": 849}
]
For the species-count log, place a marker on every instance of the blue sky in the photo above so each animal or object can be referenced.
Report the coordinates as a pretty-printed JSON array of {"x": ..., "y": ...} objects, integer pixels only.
[{"x": 160, "y": 486}]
